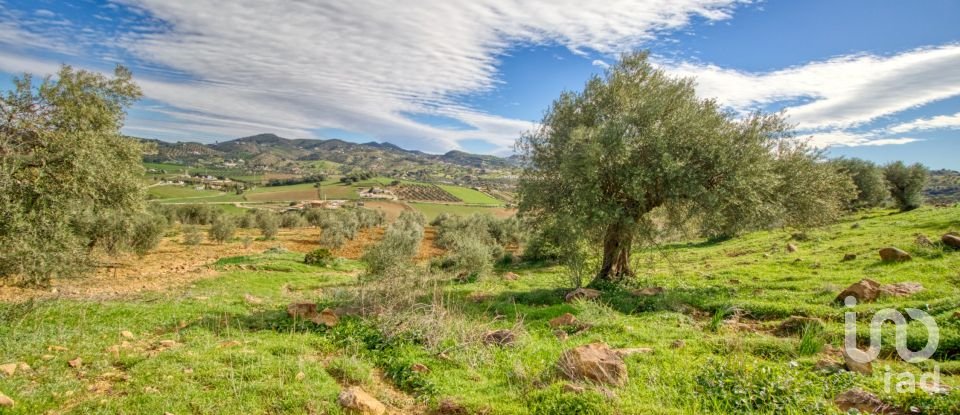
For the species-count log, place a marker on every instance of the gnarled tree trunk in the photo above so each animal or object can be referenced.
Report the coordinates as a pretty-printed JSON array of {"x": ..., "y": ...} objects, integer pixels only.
[{"x": 616, "y": 254}]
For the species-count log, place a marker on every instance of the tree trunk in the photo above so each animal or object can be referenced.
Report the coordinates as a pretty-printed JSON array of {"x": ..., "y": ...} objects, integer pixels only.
[{"x": 616, "y": 254}]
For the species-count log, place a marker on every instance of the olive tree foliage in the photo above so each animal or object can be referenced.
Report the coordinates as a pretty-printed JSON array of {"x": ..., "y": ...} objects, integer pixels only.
[
  {"x": 906, "y": 184},
  {"x": 64, "y": 163},
  {"x": 869, "y": 179},
  {"x": 393, "y": 255},
  {"x": 637, "y": 139}
]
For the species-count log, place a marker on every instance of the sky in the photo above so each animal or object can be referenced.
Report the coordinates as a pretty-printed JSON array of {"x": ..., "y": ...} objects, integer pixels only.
[{"x": 877, "y": 79}]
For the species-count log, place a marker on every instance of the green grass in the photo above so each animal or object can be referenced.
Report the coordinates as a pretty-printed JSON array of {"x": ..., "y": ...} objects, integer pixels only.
[
  {"x": 432, "y": 210},
  {"x": 471, "y": 196},
  {"x": 236, "y": 357},
  {"x": 180, "y": 192}
]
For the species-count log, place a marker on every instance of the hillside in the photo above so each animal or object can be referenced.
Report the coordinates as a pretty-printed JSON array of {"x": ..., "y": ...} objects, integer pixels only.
[{"x": 702, "y": 323}]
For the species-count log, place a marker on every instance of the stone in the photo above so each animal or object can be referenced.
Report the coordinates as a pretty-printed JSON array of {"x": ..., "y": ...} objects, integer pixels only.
[
  {"x": 561, "y": 335},
  {"x": 923, "y": 241},
  {"x": 828, "y": 366},
  {"x": 594, "y": 362},
  {"x": 566, "y": 319},
  {"x": 420, "y": 368},
  {"x": 678, "y": 344},
  {"x": 648, "y": 292},
  {"x": 510, "y": 276},
  {"x": 853, "y": 361},
  {"x": 24, "y": 367},
  {"x": 168, "y": 343},
  {"x": 8, "y": 369},
  {"x": 127, "y": 334},
  {"x": 308, "y": 312},
  {"x": 791, "y": 248},
  {"x": 252, "y": 300},
  {"x": 864, "y": 402},
  {"x": 865, "y": 290},
  {"x": 300, "y": 376},
  {"x": 849, "y": 257},
  {"x": 5, "y": 401},
  {"x": 855, "y": 226},
  {"x": 951, "y": 239},
  {"x": 450, "y": 407},
  {"x": 582, "y": 294},
  {"x": 328, "y": 318},
  {"x": 630, "y": 351},
  {"x": 893, "y": 254},
  {"x": 502, "y": 337},
  {"x": 901, "y": 289},
  {"x": 358, "y": 401},
  {"x": 795, "y": 325},
  {"x": 76, "y": 363}
]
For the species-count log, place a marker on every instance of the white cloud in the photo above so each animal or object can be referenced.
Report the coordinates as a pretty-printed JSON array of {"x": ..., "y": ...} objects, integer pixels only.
[
  {"x": 841, "y": 92},
  {"x": 839, "y": 138},
  {"x": 934, "y": 123},
  {"x": 360, "y": 65},
  {"x": 600, "y": 63}
]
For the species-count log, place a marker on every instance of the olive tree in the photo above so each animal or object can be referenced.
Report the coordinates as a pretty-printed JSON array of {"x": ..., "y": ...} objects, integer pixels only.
[
  {"x": 62, "y": 157},
  {"x": 906, "y": 184},
  {"x": 871, "y": 185},
  {"x": 637, "y": 139}
]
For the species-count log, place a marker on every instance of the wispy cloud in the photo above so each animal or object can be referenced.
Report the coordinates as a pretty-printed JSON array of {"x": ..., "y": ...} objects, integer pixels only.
[{"x": 934, "y": 123}]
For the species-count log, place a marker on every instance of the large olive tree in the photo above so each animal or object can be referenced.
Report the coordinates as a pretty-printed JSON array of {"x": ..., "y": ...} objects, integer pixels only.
[
  {"x": 638, "y": 139},
  {"x": 64, "y": 163}
]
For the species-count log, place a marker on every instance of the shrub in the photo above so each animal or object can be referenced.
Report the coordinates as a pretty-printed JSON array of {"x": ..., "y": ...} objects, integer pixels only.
[
  {"x": 192, "y": 235},
  {"x": 147, "y": 232},
  {"x": 222, "y": 230},
  {"x": 268, "y": 224},
  {"x": 247, "y": 221},
  {"x": 320, "y": 257},
  {"x": 292, "y": 220},
  {"x": 399, "y": 244},
  {"x": 869, "y": 179},
  {"x": 554, "y": 401},
  {"x": 906, "y": 184},
  {"x": 197, "y": 214}
]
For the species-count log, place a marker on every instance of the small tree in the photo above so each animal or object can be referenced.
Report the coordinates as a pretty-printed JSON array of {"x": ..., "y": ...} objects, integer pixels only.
[
  {"x": 906, "y": 184},
  {"x": 637, "y": 139},
  {"x": 192, "y": 235},
  {"x": 872, "y": 188},
  {"x": 268, "y": 223},
  {"x": 222, "y": 229}
]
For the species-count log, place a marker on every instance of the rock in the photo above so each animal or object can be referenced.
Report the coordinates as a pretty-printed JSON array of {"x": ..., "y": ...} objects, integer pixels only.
[
  {"x": 47, "y": 357},
  {"x": 828, "y": 366},
  {"x": 923, "y": 241},
  {"x": 632, "y": 351},
  {"x": 795, "y": 325},
  {"x": 252, "y": 300},
  {"x": 791, "y": 248},
  {"x": 328, "y": 318},
  {"x": 359, "y": 401},
  {"x": 901, "y": 289},
  {"x": 648, "y": 292},
  {"x": 300, "y": 376},
  {"x": 502, "y": 337},
  {"x": 678, "y": 344},
  {"x": 24, "y": 367},
  {"x": 450, "y": 407},
  {"x": 5, "y": 401},
  {"x": 849, "y": 257},
  {"x": 566, "y": 319},
  {"x": 571, "y": 388},
  {"x": 76, "y": 363},
  {"x": 892, "y": 254},
  {"x": 8, "y": 369},
  {"x": 855, "y": 226},
  {"x": 852, "y": 360},
  {"x": 952, "y": 240},
  {"x": 594, "y": 362},
  {"x": 168, "y": 343},
  {"x": 127, "y": 334},
  {"x": 864, "y": 402},
  {"x": 420, "y": 368},
  {"x": 510, "y": 276},
  {"x": 561, "y": 335},
  {"x": 865, "y": 290},
  {"x": 582, "y": 294}
]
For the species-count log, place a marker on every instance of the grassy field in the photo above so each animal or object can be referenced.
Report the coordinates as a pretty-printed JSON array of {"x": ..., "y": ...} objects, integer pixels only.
[
  {"x": 225, "y": 344},
  {"x": 180, "y": 192},
  {"x": 471, "y": 196},
  {"x": 432, "y": 210}
]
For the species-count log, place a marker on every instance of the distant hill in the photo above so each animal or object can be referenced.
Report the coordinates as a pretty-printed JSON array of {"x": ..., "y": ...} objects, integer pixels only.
[
  {"x": 271, "y": 150},
  {"x": 943, "y": 187}
]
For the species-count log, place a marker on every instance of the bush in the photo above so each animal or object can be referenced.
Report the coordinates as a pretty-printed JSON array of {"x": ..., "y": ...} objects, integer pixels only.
[
  {"x": 292, "y": 220},
  {"x": 192, "y": 235},
  {"x": 320, "y": 257},
  {"x": 222, "y": 230},
  {"x": 248, "y": 220},
  {"x": 147, "y": 232},
  {"x": 268, "y": 223},
  {"x": 198, "y": 214},
  {"x": 869, "y": 179},
  {"x": 906, "y": 184},
  {"x": 399, "y": 244}
]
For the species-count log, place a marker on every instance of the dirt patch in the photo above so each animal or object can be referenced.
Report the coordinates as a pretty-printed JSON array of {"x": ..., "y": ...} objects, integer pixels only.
[
  {"x": 427, "y": 248},
  {"x": 173, "y": 265},
  {"x": 390, "y": 209}
]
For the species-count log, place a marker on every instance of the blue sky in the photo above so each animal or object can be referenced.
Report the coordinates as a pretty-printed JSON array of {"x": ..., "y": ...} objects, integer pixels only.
[{"x": 871, "y": 79}]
